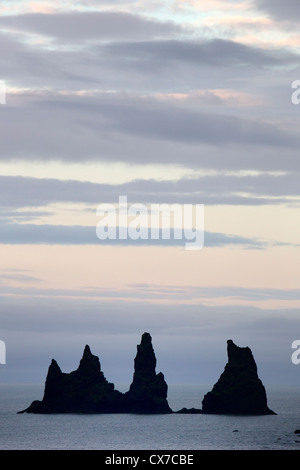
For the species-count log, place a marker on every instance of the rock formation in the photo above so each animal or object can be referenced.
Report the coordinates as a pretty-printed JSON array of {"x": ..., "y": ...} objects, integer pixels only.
[
  {"x": 86, "y": 390},
  {"x": 189, "y": 411},
  {"x": 148, "y": 391},
  {"x": 238, "y": 390}
]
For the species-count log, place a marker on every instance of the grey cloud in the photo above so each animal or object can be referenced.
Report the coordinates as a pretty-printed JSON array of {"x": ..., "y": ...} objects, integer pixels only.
[
  {"x": 197, "y": 127},
  {"x": 140, "y": 66},
  {"x": 123, "y": 127},
  {"x": 46, "y": 234},
  {"x": 30, "y": 67},
  {"x": 17, "y": 193},
  {"x": 288, "y": 10},
  {"x": 235, "y": 188},
  {"x": 174, "y": 65},
  {"x": 213, "y": 52},
  {"x": 137, "y": 130},
  {"x": 144, "y": 52},
  {"x": 29, "y": 192},
  {"x": 22, "y": 276},
  {"x": 80, "y": 26},
  {"x": 17, "y": 277},
  {"x": 14, "y": 214},
  {"x": 73, "y": 235}
]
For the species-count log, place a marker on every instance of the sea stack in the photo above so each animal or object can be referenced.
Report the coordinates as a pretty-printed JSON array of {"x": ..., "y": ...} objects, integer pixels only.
[
  {"x": 84, "y": 390},
  {"x": 239, "y": 389},
  {"x": 148, "y": 390}
]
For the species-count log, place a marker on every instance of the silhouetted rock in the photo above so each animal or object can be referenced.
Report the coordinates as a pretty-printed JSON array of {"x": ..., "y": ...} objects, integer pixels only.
[
  {"x": 84, "y": 390},
  {"x": 189, "y": 411},
  {"x": 148, "y": 391},
  {"x": 238, "y": 390}
]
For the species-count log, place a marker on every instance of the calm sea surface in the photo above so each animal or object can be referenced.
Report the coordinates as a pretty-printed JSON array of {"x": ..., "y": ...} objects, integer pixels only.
[{"x": 136, "y": 432}]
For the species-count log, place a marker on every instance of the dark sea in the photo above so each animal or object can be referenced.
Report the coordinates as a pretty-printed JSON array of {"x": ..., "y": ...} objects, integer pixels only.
[{"x": 134, "y": 432}]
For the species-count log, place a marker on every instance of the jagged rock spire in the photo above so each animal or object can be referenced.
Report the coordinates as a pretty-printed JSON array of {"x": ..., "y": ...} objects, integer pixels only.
[
  {"x": 145, "y": 360},
  {"x": 89, "y": 366},
  {"x": 148, "y": 391}
]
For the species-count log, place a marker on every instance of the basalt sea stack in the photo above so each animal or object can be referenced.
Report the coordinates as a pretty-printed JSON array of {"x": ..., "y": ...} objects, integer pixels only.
[
  {"x": 148, "y": 391},
  {"x": 86, "y": 390},
  {"x": 238, "y": 390}
]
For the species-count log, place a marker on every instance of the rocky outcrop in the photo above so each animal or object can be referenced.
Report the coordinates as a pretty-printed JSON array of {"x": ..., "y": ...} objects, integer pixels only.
[
  {"x": 86, "y": 390},
  {"x": 189, "y": 411},
  {"x": 239, "y": 389},
  {"x": 148, "y": 391}
]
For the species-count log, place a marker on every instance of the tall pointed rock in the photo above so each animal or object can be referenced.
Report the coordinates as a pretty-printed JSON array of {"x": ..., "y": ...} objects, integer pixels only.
[
  {"x": 239, "y": 389},
  {"x": 89, "y": 369},
  {"x": 148, "y": 391}
]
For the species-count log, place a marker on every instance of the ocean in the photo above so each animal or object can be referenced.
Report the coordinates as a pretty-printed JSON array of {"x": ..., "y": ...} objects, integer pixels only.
[{"x": 142, "y": 432}]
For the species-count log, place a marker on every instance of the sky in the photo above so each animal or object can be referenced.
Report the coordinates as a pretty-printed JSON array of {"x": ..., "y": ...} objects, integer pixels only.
[{"x": 180, "y": 102}]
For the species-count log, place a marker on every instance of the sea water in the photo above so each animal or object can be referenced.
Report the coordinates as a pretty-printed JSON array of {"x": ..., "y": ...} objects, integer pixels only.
[{"x": 143, "y": 432}]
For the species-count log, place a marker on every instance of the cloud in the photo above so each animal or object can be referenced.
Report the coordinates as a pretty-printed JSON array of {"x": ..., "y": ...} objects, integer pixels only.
[
  {"x": 76, "y": 108},
  {"x": 213, "y": 52},
  {"x": 23, "y": 192},
  {"x": 19, "y": 275},
  {"x": 72, "y": 235},
  {"x": 196, "y": 127},
  {"x": 17, "y": 194},
  {"x": 281, "y": 11},
  {"x": 78, "y": 26},
  {"x": 141, "y": 65},
  {"x": 133, "y": 129}
]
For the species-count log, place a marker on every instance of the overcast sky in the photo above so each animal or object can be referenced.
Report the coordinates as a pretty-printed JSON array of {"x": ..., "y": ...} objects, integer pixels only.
[{"x": 178, "y": 102}]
